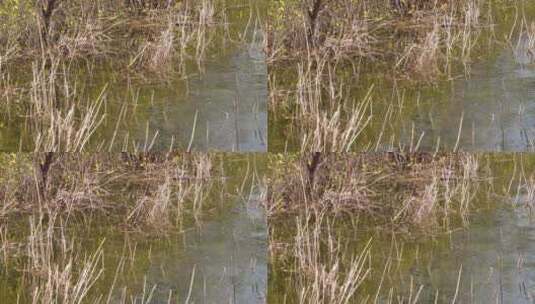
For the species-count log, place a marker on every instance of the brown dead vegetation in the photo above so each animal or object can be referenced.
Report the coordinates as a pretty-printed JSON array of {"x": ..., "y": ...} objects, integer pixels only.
[{"x": 415, "y": 189}]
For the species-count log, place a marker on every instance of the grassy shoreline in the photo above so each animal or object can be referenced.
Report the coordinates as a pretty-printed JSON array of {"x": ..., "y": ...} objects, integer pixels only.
[{"x": 149, "y": 185}]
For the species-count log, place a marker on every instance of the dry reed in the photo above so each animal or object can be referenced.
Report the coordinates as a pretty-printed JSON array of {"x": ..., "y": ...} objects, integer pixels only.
[{"x": 432, "y": 191}]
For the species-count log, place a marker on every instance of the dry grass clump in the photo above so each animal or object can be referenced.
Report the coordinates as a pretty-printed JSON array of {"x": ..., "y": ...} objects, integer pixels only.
[
  {"x": 49, "y": 47},
  {"x": 147, "y": 33},
  {"x": 317, "y": 261},
  {"x": 430, "y": 34},
  {"x": 325, "y": 26},
  {"x": 58, "y": 120},
  {"x": 327, "y": 260},
  {"x": 520, "y": 189},
  {"x": 320, "y": 109},
  {"x": 145, "y": 190},
  {"x": 335, "y": 50},
  {"x": 329, "y": 121},
  {"x": 71, "y": 29},
  {"x": 184, "y": 36},
  {"x": 48, "y": 263},
  {"x": 53, "y": 271},
  {"x": 319, "y": 274},
  {"x": 59, "y": 211},
  {"x": 420, "y": 190},
  {"x": 452, "y": 35},
  {"x": 326, "y": 57},
  {"x": 191, "y": 182},
  {"x": 318, "y": 202},
  {"x": 524, "y": 49},
  {"x": 323, "y": 256}
]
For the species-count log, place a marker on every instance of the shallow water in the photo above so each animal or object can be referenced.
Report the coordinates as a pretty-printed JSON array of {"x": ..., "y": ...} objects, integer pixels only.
[
  {"x": 227, "y": 256},
  {"x": 496, "y": 255},
  {"x": 492, "y": 261},
  {"x": 223, "y": 261},
  {"x": 493, "y": 110},
  {"x": 226, "y": 105}
]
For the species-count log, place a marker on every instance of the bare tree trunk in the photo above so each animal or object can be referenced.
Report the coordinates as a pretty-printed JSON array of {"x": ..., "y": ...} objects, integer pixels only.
[
  {"x": 46, "y": 10},
  {"x": 313, "y": 14},
  {"x": 398, "y": 5},
  {"x": 43, "y": 169},
  {"x": 312, "y": 168}
]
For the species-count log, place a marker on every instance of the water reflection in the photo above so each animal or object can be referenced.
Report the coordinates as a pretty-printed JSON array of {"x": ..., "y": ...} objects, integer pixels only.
[
  {"x": 223, "y": 108},
  {"x": 225, "y": 261},
  {"x": 493, "y": 110},
  {"x": 494, "y": 258}
]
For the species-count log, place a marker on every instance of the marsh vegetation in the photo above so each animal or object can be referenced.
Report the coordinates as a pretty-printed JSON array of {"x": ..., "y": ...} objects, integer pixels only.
[
  {"x": 400, "y": 228},
  {"x": 409, "y": 75},
  {"x": 131, "y": 75},
  {"x": 132, "y": 228}
]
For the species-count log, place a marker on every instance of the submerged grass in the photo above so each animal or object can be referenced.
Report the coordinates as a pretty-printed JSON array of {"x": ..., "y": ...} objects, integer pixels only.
[{"x": 320, "y": 274}]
